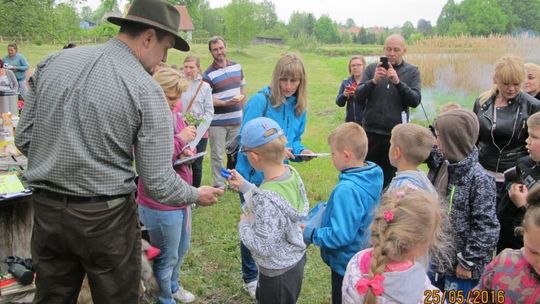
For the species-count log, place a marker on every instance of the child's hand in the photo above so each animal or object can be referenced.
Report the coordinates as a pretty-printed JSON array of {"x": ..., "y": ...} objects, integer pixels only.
[
  {"x": 518, "y": 194},
  {"x": 462, "y": 273},
  {"x": 289, "y": 154},
  {"x": 187, "y": 134},
  {"x": 303, "y": 227},
  {"x": 187, "y": 152},
  {"x": 235, "y": 180},
  {"x": 243, "y": 216}
]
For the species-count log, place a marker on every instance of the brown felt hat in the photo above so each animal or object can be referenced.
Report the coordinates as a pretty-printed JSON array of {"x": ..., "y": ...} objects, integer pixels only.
[{"x": 156, "y": 13}]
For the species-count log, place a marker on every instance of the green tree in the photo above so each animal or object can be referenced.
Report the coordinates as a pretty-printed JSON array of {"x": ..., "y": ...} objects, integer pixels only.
[
  {"x": 267, "y": 14},
  {"x": 484, "y": 17},
  {"x": 241, "y": 24},
  {"x": 349, "y": 23},
  {"x": 326, "y": 30},
  {"x": 301, "y": 23},
  {"x": 106, "y": 6},
  {"x": 522, "y": 15},
  {"x": 86, "y": 13},
  {"x": 407, "y": 30},
  {"x": 424, "y": 27},
  {"x": 449, "y": 13}
]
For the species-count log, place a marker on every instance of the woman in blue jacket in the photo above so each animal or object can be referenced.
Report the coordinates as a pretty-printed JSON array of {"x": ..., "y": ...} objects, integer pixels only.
[{"x": 284, "y": 101}]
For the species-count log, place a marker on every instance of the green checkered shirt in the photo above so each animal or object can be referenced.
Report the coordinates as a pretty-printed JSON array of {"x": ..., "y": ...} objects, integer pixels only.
[{"x": 90, "y": 112}]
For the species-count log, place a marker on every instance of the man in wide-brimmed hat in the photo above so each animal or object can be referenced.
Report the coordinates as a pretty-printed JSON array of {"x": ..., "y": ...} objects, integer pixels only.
[{"x": 90, "y": 113}]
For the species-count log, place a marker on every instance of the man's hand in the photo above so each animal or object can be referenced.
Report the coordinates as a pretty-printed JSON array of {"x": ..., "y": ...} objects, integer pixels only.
[
  {"x": 462, "y": 273},
  {"x": 380, "y": 73},
  {"x": 518, "y": 194},
  {"x": 392, "y": 74},
  {"x": 208, "y": 195}
]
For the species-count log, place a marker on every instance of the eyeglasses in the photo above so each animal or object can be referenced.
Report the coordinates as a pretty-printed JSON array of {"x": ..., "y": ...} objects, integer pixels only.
[{"x": 245, "y": 151}]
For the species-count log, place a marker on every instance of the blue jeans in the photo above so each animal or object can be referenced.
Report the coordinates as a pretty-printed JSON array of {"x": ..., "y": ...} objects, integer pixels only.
[{"x": 170, "y": 231}]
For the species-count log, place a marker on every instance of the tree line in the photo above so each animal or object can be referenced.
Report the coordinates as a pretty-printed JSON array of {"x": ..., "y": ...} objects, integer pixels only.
[{"x": 241, "y": 20}]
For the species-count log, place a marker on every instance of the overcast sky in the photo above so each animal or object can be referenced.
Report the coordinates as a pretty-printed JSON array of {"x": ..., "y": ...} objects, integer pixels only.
[{"x": 364, "y": 12}]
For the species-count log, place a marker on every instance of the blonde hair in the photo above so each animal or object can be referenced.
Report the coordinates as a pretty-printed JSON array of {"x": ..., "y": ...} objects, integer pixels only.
[
  {"x": 509, "y": 69},
  {"x": 406, "y": 218},
  {"x": 356, "y": 57},
  {"x": 273, "y": 151},
  {"x": 289, "y": 66},
  {"x": 534, "y": 120},
  {"x": 194, "y": 58},
  {"x": 171, "y": 80},
  {"x": 350, "y": 135},
  {"x": 533, "y": 68},
  {"x": 449, "y": 106},
  {"x": 414, "y": 140}
]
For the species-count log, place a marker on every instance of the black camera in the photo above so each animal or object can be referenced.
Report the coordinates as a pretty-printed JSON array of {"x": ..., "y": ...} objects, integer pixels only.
[
  {"x": 513, "y": 175},
  {"x": 384, "y": 62}
]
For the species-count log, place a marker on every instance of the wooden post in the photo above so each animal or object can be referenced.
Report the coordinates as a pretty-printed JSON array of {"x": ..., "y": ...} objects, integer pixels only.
[{"x": 16, "y": 218}]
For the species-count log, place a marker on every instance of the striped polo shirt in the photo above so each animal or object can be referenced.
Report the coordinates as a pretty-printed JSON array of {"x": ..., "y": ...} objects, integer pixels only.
[{"x": 226, "y": 83}]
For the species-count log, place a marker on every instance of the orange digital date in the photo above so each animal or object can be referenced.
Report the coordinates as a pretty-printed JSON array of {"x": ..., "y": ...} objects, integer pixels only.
[{"x": 435, "y": 296}]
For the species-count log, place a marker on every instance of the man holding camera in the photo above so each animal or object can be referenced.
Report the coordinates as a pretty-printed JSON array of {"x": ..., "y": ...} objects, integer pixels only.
[{"x": 387, "y": 90}]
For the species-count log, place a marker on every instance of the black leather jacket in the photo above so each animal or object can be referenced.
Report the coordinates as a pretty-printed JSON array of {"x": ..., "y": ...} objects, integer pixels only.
[{"x": 501, "y": 141}]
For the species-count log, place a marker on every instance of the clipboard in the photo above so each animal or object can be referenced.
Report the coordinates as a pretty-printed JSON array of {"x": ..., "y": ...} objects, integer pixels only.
[{"x": 189, "y": 158}]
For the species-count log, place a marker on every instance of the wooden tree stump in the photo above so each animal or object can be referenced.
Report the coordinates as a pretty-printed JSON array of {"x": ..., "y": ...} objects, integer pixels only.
[{"x": 15, "y": 229}]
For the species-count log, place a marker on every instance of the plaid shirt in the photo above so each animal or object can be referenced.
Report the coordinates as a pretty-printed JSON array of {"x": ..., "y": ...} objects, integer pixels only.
[{"x": 90, "y": 112}]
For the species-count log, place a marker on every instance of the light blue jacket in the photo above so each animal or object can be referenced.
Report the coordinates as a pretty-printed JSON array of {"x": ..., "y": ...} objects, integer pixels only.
[
  {"x": 345, "y": 224},
  {"x": 293, "y": 127},
  {"x": 20, "y": 64}
]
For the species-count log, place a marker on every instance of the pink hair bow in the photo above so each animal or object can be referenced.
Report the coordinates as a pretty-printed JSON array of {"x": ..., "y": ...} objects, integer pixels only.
[{"x": 376, "y": 285}]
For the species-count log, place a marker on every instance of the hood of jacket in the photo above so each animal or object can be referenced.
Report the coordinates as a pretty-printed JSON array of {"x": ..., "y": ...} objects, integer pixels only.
[
  {"x": 363, "y": 177},
  {"x": 458, "y": 132}
]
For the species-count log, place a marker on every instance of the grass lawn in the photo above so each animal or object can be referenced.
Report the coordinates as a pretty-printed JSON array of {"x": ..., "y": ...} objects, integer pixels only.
[{"x": 211, "y": 269}]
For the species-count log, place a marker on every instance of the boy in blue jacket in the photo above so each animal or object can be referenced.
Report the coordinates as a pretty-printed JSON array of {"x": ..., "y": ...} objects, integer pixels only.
[{"x": 350, "y": 206}]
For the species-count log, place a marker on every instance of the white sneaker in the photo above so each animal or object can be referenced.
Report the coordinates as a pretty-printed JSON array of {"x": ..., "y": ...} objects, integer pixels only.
[
  {"x": 251, "y": 287},
  {"x": 183, "y": 296}
]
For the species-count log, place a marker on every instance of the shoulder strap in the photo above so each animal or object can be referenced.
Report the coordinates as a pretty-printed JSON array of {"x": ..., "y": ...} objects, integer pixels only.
[
  {"x": 194, "y": 95},
  {"x": 267, "y": 104}
]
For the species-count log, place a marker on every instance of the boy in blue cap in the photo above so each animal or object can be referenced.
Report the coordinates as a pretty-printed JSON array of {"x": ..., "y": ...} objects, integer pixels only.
[{"x": 270, "y": 224}]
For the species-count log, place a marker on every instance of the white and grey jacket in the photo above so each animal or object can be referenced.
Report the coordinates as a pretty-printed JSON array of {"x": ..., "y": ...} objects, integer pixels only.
[{"x": 272, "y": 230}]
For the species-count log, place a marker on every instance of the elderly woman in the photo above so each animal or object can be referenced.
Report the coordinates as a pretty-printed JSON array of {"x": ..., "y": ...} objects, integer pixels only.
[
  {"x": 532, "y": 83},
  {"x": 503, "y": 112},
  {"x": 8, "y": 81},
  {"x": 347, "y": 88}
]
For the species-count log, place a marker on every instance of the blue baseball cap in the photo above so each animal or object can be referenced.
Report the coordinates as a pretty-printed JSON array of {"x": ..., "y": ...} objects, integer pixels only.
[{"x": 254, "y": 132}]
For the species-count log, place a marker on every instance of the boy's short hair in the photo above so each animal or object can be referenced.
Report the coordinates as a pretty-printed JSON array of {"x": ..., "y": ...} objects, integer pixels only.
[
  {"x": 414, "y": 140},
  {"x": 534, "y": 120},
  {"x": 273, "y": 151},
  {"x": 352, "y": 136}
]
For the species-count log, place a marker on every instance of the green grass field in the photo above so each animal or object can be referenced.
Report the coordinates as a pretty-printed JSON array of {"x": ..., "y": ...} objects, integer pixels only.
[{"x": 211, "y": 270}]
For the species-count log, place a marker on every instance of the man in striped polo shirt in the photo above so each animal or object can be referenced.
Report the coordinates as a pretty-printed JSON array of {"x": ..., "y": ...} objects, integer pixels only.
[{"x": 227, "y": 81}]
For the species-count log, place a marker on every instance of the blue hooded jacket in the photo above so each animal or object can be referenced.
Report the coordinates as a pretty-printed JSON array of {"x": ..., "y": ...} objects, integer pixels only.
[
  {"x": 345, "y": 224},
  {"x": 293, "y": 127}
]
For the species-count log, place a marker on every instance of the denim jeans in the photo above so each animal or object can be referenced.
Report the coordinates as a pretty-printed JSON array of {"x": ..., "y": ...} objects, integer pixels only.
[{"x": 170, "y": 231}]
